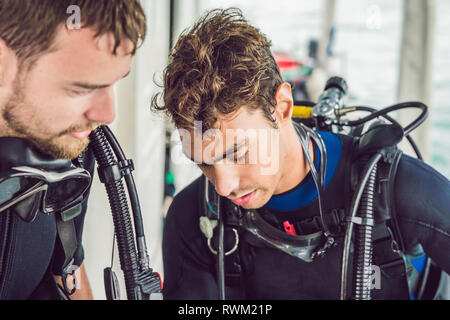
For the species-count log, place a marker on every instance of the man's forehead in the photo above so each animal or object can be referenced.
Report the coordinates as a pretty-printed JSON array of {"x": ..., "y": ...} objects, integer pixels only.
[
  {"x": 72, "y": 38},
  {"x": 242, "y": 118},
  {"x": 78, "y": 56}
]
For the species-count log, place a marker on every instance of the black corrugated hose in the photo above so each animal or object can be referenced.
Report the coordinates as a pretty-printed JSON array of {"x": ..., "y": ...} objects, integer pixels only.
[
  {"x": 140, "y": 280},
  {"x": 360, "y": 190},
  {"x": 363, "y": 242},
  {"x": 119, "y": 208}
]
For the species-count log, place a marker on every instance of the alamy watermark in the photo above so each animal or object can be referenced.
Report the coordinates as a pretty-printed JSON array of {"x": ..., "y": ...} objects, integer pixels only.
[
  {"x": 373, "y": 17},
  {"x": 73, "y": 22},
  {"x": 375, "y": 279},
  {"x": 259, "y": 147}
]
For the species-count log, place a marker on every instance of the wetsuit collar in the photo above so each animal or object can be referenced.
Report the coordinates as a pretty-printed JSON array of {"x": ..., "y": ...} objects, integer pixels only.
[{"x": 305, "y": 192}]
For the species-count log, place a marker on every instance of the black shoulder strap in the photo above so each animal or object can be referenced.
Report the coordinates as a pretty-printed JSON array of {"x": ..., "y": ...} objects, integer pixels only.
[
  {"x": 394, "y": 160},
  {"x": 68, "y": 242},
  {"x": 66, "y": 231}
]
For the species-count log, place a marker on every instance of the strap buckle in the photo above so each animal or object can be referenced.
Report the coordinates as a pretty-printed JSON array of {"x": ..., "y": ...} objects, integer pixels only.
[{"x": 70, "y": 269}]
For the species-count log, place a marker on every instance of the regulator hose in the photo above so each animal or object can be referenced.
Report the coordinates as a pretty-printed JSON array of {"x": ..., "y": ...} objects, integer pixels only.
[
  {"x": 373, "y": 110},
  {"x": 121, "y": 216},
  {"x": 404, "y": 105},
  {"x": 363, "y": 241},
  {"x": 144, "y": 260},
  {"x": 366, "y": 175}
]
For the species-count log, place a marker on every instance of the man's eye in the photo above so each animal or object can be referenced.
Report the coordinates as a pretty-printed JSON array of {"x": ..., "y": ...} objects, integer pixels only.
[
  {"x": 80, "y": 92},
  {"x": 242, "y": 158}
]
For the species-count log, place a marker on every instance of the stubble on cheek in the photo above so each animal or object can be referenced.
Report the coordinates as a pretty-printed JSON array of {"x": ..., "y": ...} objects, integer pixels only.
[
  {"x": 24, "y": 123},
  {"x": 25, "y": 120}
]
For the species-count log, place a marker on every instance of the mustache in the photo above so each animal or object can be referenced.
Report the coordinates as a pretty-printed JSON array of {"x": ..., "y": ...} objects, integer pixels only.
[{"x": 78, "y": 128}]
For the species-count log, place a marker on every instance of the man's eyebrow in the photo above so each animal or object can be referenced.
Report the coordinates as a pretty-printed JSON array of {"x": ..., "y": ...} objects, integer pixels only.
[
  {"x": 234, "y": 148},
  {"x": 90, "y": 86}
]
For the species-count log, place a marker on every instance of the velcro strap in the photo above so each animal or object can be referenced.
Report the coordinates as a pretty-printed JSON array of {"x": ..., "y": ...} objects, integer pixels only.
[{"x": 68, "y": 238}]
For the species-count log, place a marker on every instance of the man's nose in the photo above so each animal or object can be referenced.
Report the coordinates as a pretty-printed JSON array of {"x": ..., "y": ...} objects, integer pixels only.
[
  {"x": 102, "y": 107},
  {"x": 226, "y": 179}
]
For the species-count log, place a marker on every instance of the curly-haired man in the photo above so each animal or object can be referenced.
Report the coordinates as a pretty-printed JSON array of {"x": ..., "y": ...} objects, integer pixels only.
[{"x": 223, "y": 90}]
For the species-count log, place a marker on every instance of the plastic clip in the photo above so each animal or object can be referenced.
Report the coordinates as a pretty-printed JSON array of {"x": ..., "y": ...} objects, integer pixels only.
[
  {"x": 115, "y": 172},
  {"x": 361, "y": 221},
  {"x": 70, "y": 270}
]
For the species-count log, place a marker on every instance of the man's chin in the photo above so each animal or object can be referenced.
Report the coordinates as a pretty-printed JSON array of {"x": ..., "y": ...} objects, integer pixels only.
[
  {"x": 64, "y": 147},
  {"x": 251, "y": 206}
]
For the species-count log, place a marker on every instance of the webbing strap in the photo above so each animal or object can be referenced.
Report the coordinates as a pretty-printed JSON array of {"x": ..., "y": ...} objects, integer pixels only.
[{"x": 68, "y": 238}]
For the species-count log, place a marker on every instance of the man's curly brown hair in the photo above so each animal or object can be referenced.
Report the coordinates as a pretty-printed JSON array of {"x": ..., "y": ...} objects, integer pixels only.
[{"x": 219, "y": 65}]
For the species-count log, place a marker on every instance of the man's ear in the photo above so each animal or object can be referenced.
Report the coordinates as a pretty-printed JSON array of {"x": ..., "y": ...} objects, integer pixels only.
[
  {"x": 284, "y": 101},
  {"x": 8, "y": 64}
]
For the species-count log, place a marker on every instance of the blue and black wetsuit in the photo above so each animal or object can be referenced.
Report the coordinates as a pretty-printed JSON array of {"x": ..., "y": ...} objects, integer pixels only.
[{"x": 421, "y": 199}]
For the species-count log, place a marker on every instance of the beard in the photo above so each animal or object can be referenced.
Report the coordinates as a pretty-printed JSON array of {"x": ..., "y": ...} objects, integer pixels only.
[{"x": 22, "y": 121}]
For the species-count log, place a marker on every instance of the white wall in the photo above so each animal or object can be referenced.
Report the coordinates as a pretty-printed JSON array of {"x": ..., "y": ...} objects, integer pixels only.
[
  {"x": 185, "y": 171},
  {"x": 415, "y": 72},
  {"x": 141, "y": 135}
]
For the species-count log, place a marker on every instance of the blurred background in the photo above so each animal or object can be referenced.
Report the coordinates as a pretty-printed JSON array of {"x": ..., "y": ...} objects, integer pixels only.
[{"x": 388, "y": 51}]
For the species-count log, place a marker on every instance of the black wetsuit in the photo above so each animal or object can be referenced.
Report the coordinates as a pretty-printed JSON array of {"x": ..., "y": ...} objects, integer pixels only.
[
  {"x": 30, "y": 252},
  {"x": 422, "y": 201}
]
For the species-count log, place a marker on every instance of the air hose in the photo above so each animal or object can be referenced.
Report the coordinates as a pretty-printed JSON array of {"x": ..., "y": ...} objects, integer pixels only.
[
  {"x": 134, "y": 200},
  {"x": 364, "y": 189},
  {"x": 407, "y": 136},
  {"x": 119, "y": 208},
  {"x": 140, "y": 281},
  {"x": 363, "y": 241}
]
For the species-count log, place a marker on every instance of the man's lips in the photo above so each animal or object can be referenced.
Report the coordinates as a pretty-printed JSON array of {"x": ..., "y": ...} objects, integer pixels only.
[
  {"x": 244, "y": 199},
  {"x": 80, "y": 134}
]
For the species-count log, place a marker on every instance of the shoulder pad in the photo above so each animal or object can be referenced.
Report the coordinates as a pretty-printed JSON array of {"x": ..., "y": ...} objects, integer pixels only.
[{"x": 379, "y": 137}]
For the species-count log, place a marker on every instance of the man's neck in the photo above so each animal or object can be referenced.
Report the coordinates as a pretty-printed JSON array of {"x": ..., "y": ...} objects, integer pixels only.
[{"x": 295, "y": 166}]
